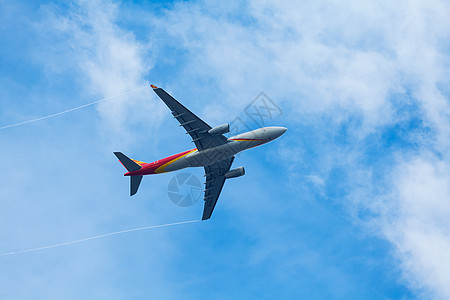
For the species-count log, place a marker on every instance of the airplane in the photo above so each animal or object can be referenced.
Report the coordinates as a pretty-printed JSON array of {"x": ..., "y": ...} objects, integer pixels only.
[{"x": 214, "y": 152}]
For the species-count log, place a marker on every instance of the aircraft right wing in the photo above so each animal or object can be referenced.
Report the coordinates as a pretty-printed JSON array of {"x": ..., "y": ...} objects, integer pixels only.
[
  {"x": 193, "y": 125},
  {"x": 214, "y": 183}
]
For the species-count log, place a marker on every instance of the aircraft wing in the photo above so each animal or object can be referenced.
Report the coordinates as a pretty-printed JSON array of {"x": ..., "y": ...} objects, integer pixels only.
[
  {"x": 214, "y": 182},
  {"x": 193, "y": 125}
]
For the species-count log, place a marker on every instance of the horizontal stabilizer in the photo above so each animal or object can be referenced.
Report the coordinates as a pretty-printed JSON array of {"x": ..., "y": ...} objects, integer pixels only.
[
  {"x": 129, "y": 164},
  {"x": 135, "y": 181}
]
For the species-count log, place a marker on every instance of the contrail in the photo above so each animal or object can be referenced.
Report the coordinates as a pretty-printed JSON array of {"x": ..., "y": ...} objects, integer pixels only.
[
  {"x": 95, "y": 237},
  {"x": 72, "y": 109}
]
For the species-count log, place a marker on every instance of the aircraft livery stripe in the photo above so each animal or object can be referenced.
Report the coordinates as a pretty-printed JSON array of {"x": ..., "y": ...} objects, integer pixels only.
[
  {"x": 161, "y": 168},
  {"x": 139, "y": 162},
  {"x": 247, "y": 140}
]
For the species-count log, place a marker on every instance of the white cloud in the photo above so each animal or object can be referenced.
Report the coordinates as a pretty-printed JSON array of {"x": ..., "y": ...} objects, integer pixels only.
[
  {"x": 418, "y": 224},
  {"x": 350, "y": 55},
  {"x": 109, "y": 61},
  {"x": 315, "y": 59},
  {"x": 364, "y": 59}
]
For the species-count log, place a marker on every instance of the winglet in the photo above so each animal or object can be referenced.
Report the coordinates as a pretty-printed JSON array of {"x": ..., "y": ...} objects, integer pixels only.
[{"x": 153, "y": 86}]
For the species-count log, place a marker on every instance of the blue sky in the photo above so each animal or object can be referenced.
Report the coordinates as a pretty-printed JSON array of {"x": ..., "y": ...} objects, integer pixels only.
[{"x": 351, "y": 203}]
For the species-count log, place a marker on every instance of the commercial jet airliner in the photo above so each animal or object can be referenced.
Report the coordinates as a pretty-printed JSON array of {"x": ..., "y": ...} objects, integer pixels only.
[{"x": 214, "y": 152}]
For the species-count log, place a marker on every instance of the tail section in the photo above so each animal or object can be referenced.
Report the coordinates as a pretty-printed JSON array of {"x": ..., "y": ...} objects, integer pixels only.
[
  {"x": 128, "y": 163},
  {"x": 131, "y": 166},
  {"x": 135, "y": 181}
]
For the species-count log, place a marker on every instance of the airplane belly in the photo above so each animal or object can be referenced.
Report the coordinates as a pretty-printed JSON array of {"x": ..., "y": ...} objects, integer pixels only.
[
  {"x": 212, "y": 155},
  {"x": 177, "y": 165}
]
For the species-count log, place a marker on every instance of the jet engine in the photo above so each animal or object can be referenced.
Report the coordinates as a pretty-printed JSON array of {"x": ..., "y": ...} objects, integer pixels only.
[
  {"x": 221, "y": 129},
  {"x": 235, "y": 173}
]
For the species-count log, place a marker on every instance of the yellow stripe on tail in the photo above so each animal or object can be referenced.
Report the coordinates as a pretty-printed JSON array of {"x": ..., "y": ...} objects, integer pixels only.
[{"x": 141, "y": 163}]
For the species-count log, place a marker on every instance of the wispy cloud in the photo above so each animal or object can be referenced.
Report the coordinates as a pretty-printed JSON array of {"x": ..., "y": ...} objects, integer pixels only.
[
  {"x": 417, "y": 224},
  {"x": 108, "y": 59},
  {"x": 362, "y": 89},
  {"x": 361, "y": 67}
]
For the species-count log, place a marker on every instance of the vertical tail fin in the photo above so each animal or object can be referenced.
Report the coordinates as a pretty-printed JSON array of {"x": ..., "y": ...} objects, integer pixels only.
[{"x": 131, "y": 166}]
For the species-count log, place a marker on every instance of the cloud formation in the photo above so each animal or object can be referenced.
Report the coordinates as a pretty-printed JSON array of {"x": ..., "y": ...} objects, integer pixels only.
[
  {"x": 363, "y": 89},
  {"x": 418, "y": 225},
  {"x": 375, "y": 71},
  {"x": 108, "y": 59}
]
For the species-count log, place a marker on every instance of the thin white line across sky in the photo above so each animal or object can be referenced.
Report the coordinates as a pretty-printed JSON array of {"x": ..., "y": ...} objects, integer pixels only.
[
  {"x": 72, "y": 109},
  {"x": 94, "y": 237}
]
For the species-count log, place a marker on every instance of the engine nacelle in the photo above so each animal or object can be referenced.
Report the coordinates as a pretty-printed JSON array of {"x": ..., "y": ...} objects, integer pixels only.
[
  {"x": 235, "y": 173},
  {"x": 221, "y": 129}
]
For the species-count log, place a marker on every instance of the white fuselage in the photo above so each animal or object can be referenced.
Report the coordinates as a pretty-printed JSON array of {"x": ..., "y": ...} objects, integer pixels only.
[{"x": 233, "y": 146}]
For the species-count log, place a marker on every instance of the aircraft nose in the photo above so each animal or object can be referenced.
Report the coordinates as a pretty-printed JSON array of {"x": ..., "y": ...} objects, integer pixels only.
[
  {"x": 276, "y": 132},
  {"x": 282, "y": 130}
]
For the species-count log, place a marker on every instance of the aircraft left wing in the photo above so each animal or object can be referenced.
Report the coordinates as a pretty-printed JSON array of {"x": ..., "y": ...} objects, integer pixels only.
[
  {"x": 193, "y": 125},
  {"x": 215, "y": 179}
]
